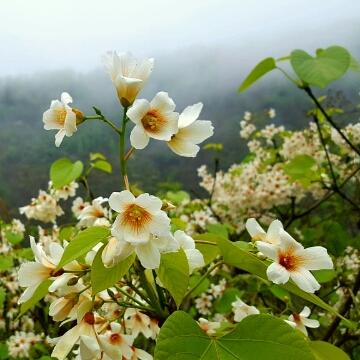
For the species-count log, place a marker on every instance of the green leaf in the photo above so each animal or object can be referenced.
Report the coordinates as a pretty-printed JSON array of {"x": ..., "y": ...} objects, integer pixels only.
[
  {"x": 4, "y": 352},
  {"x": 174, "y": 274},
  {"x": 83, "y": 242},
  {"x": 203, "y": 287},
  {"x": 2, "y": 296},
  {"x": 209, "y": 251},
  {"x": 325, "y": 351},
  {"x": 279, "y": 292},
  {"x": 302, "y": 168},
  {"x": 103, "y": 165},
  {"x": 14, "y": 238},
  {"x": 103, "y": 278},
  {"x": 177, "y": 197},
  {"x": 63, "y": 172},
  {"x": 6, "y": 262},
  {"x": 97, "y": 156},
  {"x": 247, "y": 261},
  {"x": 354, "y": 65},
  {"x": 25, "y": 253},
  {"x": 177, "y": 224},
  {"x": 256, "y": 337},
  {"x": 323, "y": 276},
  {"x": 328, "y": 65},
  {"x": 218, "y": 229},
  {"x": 262, "y": 68},
  {"x": 223, "y": 304},
  {"x": 66, "y": 233},
  {"x": 39, "y": 293}
]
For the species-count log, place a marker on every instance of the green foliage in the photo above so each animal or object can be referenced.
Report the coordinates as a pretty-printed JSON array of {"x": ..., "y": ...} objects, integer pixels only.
[
  {"x": 83, "y": 242},
  {"x": 324, "y": 276},
  {"x": 64, "y": 171},
  {"x": 177, "y": 197},
  {"x": 103, "y": 278},
  {"x": 14, "y": 238},
  {"x": 6, "y": 262},
  {"x": 201, "y": 288},
  {"x": 241, "y": 259},
  {"x": 66, "y": 233},
  {"x": 255, "y": 337},
  {"x": 262, "y": 68},
  {"x": 325, "y": 351},
  {"x": 4, "y": 351},
  {"x": 209, "y": 248},
  {"x": 223, "y": 303},
  {"x": 174, "y": 274},
  {"x": 2, "y": 296},
  {"x": 98, "y": 161},
  {"x": 302, "y": 169},
  {"x": 328, "y": 65},
  {"x": 39, "y": 293}
]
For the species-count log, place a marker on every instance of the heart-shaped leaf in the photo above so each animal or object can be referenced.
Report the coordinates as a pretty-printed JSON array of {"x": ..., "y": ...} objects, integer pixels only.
[
  {"x": 328, "y": 65},
  {"x": 64, "y": 171},
  {"x": 262, "y": 68},
  {"x": 255, "y": 337}
]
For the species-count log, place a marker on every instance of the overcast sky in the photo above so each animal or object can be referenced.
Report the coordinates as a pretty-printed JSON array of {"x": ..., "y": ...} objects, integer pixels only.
[{"x": 40, "y": 35}]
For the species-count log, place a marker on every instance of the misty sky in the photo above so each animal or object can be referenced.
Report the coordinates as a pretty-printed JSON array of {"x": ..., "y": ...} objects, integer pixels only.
[{"x": 38, "y": 35}]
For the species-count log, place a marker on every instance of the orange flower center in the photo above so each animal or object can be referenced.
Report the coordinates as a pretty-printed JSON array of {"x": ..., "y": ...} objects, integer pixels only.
[
  {"x": 136, "y": 217},
  {"x": 89, "y": 318},
  {"x": 115, "y": 339},
  {"x": 289, "y": 260},
  {"x": 153, "y": 121},
  {"x": 60, "y": 116},
  {"x": 297, "y": 318}
]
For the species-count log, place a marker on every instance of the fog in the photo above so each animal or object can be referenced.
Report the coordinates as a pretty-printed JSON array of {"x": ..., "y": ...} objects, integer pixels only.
[{"x": 42, "y": 35}]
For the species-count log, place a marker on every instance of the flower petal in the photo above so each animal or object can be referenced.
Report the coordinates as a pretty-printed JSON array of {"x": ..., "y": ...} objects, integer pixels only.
[
  {"x": 162, "y": 102},
  {"x": 255, "y": 230},
  {"x": 119, "y": 200},
  {"x": 277, "y": 274},
  {"x": 288, "y": 242},
  {"x": 197, "y": 132},
  {"x": 273, "y": 233},
  {"x": 149, "y": 202},
  {"x": 305, "y": 280},
  {"x": 59, "y": 137},
  {"x": 148, "y": 255},
  {"x": 311, "y": 323},
  {"x": 66, "y": 98},
  {"x": 139, "y": 138},
  {"x": 138, "y": 110},
  {"x": 269, "y": 250},
  {"x": 182, "y": 147},
  {"x": 190, "y": 114},
  {"x": 317, "y": 258}
]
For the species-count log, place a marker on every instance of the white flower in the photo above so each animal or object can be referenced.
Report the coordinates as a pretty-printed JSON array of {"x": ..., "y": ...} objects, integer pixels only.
[
  {"x": 78, "y": 206},
  {"x": 140, "y": 226},
  {"x": 301, "y": 321},
  {"x": 32, "y": 274},
  {"x": 60, "y": 117},
  {"x": 138, "y": 323},
  {"x": 271, "y": 113},
  {"x": 128, "y": 74},
  {"x": 115, "y": 344},
  {"x": 155, "y": 119},
  {"x": 94, "y": 214},
  {"x": 293, "y": 261},
  {"x": 66, "y": 191},
  {"x": 190, "y": 132},
  {"x": 208, "y": 326},
  {"x": 257, "y": 233},
  {"x": 187, "y": 243},
  {"x": 84, "y": 327},
  {"x": 242, "y": 310}
]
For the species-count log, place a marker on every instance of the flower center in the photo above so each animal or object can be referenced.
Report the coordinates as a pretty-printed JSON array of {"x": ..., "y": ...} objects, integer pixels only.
[
  {"x": 297, "y": 318},
  {"x": 115, "y": 339},
  {"x": 60, "y": 116},
  {"x": 57, "y": 272},
  {"x": 153, "y": 121},
  {"x": 288, "y": 261},
  {"x": 136, "y": 217},
  {"x": 89, "y": 318}
]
